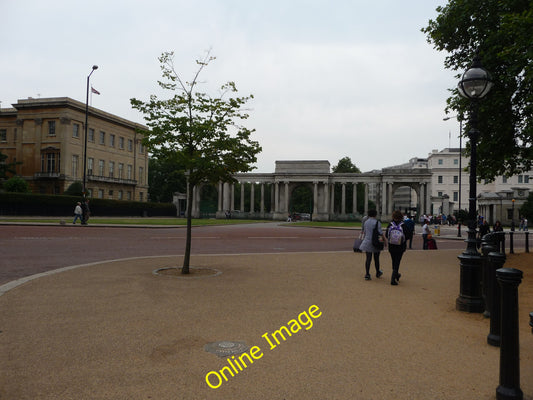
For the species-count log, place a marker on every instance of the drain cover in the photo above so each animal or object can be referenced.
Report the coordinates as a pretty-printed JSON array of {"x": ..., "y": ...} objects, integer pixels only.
[{"x": 226, "y": 348}]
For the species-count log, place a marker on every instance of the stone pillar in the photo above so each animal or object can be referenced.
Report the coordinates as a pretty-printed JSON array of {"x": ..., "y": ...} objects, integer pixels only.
[
  {"x": 226, "y": 200},
  {"x": 428, "y": 197},
  {"x": 354, "y": 203},
  {"x": 242, "y": 197},
  {"x": 389, "y": 199},
  {"x": 326, "y": 198},
  {"x": 383, "y": 199},
  {"x": 421, "y": 197},
  {"x": 262, "y": 206},
  {"x": 332, "y": 199},
  {"x": 343, "y": 198},
  {"x": 276, "y": 197},
  {"x": 286, "y": 197},
  {"x": 252, "y": 199},
  {"x": 232, "y": 197},
  {"x": 366, "y": 199},
  {"x": 315, "y": 198}
]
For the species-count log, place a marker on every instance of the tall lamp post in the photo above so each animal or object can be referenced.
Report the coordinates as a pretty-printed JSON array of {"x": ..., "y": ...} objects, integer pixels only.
[
  {"x": 475, "y": 83},
  {"x": 460, "y": 166},
  {"x": 95, "y": 67}
]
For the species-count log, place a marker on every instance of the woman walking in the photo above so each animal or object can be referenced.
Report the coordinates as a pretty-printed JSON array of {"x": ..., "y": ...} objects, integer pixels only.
[
  {"x": 368, "y": 246},
  {"x": 397, "y": 245}
]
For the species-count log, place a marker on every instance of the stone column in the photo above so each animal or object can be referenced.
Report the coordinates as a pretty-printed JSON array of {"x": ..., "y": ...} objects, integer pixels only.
[
  {"x": 332, "y": 199},
  {"x": 232, "y": 197},
  {"x": 354, "y": 204},
  {"x": 252, "y": 199},
  {"x": 226, "y": 199},
  {"x": 421, "y": 198},
  {"x": 242, "y": 197},
  {"x": 262, "y": 206},
  {"x": 366, "y": 199},
  {"x": 315, "y": 198},
  {"x": 343, "y": 199},
  {"x": 326, "y": 198},
  {"x": 286, "y": 197},
  {"x": 428, "y": 196},
  {"x": 220, "y": 195},
  {"x": 276, "y": 197},
  {"x": 383, "y": 198},
  {"x": 389, "y": 199}
]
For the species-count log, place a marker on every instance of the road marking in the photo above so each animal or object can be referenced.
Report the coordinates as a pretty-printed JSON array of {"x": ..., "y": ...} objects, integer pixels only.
[{"x": 273, "y": 237}]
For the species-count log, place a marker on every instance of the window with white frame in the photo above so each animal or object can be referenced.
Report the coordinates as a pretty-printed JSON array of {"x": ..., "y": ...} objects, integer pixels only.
[
  {"x": 439, "y": 179},
  {"x": 455, "y": 179},
  {"x": 90, "y": 135},
  {"x": 111, "y": 169},
  {"x": 101, "y": 167},
  {"x": 111, "y": 140},
  {"x": 90, "y": 166},
  {"x": 75, "y": 165},
  {"x": 52, "y": 128},
  {"x": 130, "y": 145},
  {"x": 121, "y": 143},
  {"x": 120, "y": 170},
  {"x": 102, "y": 137},
  {"x": 76, "y": 130},
  {"x": 129, "y": 171}
]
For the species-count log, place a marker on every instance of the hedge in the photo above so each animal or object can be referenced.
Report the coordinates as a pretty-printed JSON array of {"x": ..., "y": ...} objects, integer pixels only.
[{"x": 30, "y": 204}]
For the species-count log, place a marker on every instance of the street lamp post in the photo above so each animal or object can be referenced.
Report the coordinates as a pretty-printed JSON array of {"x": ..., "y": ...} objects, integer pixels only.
[
  {"x": 460, "y": 167},
  {"x": 95, "y": 67},
  {"x": 475, "y": 83}
]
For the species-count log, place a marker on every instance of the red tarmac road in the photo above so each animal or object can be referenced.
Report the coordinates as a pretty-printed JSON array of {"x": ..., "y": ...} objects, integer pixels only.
[{"x": 27, "y": 250}]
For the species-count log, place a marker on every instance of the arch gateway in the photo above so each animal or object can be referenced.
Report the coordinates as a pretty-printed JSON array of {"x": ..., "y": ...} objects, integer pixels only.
[{"x": 379, "y": 186}]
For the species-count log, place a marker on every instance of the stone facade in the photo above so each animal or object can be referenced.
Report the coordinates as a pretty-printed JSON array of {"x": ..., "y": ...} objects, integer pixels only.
[{"x": 47, "y": 135}]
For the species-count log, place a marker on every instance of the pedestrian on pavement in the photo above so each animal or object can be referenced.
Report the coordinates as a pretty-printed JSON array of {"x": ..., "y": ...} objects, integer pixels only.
[
  {"x": 409, "y": 230},
  {"x": 497, "y": 227},
  {"x": 77, "y": 213},
  {"x": 86, "y": 212},
  {"x": 397, "y": 242},
  {"x": 425, "y": 233},
  {"x": 367, "y": 245}
]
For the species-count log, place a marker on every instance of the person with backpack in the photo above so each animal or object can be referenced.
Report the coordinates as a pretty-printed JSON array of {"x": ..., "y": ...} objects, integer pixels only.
[{"x": 397, "y": 244}]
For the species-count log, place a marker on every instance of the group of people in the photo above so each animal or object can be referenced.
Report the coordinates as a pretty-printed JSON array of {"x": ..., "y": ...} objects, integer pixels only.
[
  {"x": 399, "y": 232},
  {"x": 82, "y": 212}
]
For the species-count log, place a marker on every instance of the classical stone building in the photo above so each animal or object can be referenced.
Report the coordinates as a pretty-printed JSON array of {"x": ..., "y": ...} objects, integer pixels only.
[
  {"x": 47, "y": 137},
  {"x": 316, "y": 177}
]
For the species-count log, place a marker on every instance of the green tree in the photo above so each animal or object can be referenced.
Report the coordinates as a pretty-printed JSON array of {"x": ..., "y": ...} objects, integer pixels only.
[
  {"x": 527, "y": 208},
  {"x": 345, "y": 164},
  {"x": 166, "y": 175},
  {"x": 16, "y": 184},
  {"x": 204, "y": 132},
  {"x": 75, "y": 189},
  {"x": 501, "y": 32},
  {"x": 6, "y": 168}
]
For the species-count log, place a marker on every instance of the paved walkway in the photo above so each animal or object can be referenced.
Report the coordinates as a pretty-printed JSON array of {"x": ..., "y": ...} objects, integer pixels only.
[{"x": 116, "y": 331}]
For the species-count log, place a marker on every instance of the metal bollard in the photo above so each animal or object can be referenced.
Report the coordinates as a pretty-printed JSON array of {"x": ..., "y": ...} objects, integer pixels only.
[
  {"x": 511, "y": 243},
  {"x": 527, "y": 241},
  {"x": 509, "y": 388},
  {"x": 497, "y": 260},
  {"x": 531, "y": 321},
  {"x": 489, "y": 243}
]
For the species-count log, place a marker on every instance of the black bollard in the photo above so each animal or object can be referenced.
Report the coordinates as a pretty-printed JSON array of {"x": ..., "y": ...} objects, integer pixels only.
[
  {"x": 527, "y": 241},
  {"x": 497, "y": 260},
  {"x": 511, "y": 243},
  {"x": 531, "y": 321},
  {"x": 489, "y": 243},
  {"x": 509, "y": 388}
]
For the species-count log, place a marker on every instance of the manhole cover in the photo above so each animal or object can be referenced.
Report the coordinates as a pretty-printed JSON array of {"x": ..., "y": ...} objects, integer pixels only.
[{"x": 226, "y": 348}]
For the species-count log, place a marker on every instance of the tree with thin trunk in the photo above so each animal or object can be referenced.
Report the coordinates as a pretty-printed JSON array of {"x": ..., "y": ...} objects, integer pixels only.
[{"x": 203, "y": 132}]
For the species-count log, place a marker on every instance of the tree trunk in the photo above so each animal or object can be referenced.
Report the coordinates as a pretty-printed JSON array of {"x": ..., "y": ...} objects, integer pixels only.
[{"x": 187, "y": 256}]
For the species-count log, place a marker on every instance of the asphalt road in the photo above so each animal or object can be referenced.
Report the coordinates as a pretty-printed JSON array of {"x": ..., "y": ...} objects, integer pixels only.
[{"x": 27, "y": 250}]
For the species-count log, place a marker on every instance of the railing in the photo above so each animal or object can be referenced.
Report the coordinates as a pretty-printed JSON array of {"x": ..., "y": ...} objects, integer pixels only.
[
  {"x": 108, "y": 179},
  {"x": 48, "y": 175}
]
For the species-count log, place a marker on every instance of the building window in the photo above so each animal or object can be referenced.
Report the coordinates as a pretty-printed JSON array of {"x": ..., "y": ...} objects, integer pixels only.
[
  {"x": 101, "y": 168},
  {"x": 130, "y": 145},
  {"x": 504, "y": 179},
  {"x": 111, "y": 169},
  {"x": 75, "y": 165},
  {"x": 90, "y": 166},
  {"x": 141, "y": 196},
  {"x": 76, "y": 130},
  {"x": 102, "y": 137},
  {"x": 128, "y": 195},
  {"x": 141, "y": 148},
  {"x": 439, "y": 179},
  {"x": 100, "y": 193},
  {"x": 455, "y": 179},
  {"x": 526, "y": 178},
  {"x": 3, "y": 135},
  {"x": 120, "y": 170},
  {"x": 128, "y": 176},
  {"x": 50, "y": 162},
  {"x": 111, "y": 140},
  {"x": 121, "y": 143},
  {"x": 120, "y": 195},
  {"x": 52, "y": 128},
  {"x": 110, "y": 194},
  {"x": 455, "y": 196},
  {"x": 455, "y": 161},
  {"x": 440, "y": 161},
  {"x": 91, "y": 135},
  {"x": 439, "y": 194},
  {"x": 141, "y": 172}
]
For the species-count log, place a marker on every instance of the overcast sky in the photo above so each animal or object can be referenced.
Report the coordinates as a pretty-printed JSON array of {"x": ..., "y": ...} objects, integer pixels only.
[{"x": 330, "y": 78}]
